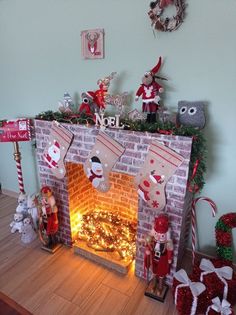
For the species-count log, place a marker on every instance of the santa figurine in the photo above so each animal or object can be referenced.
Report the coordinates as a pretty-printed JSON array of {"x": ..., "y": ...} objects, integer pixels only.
[
  {"x": 149, "y": 91},
  {"x": 95, "y": 173},
  {"x": 48, "y": 218},
  {"x": 158, "y": 257},
  {"x": 53, "y": 155}
]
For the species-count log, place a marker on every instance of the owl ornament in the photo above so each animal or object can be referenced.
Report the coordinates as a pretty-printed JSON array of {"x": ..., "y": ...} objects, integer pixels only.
[{"x": 191, "y": 114}]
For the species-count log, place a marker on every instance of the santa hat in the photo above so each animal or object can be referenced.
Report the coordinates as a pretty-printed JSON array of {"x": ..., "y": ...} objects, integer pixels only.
[
  {"x": 57, "y": 144},
  {"x": 161, "y": 224},
  {"x": 157, "y": 67},
  {"x": 90, "y": 94},
  {"x": 156, "y": 178}
]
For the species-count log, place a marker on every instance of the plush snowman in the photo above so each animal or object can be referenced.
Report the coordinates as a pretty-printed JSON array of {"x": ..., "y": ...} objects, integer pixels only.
[
  {"x": 28, "y": 233},
  {"x": 53, "y": 155},
  {"x": 17, "y": 223},
  {"x": 95, "y": 173},
  {"x": 33, "y": 210},
  {"x": 22, "y": 204}
]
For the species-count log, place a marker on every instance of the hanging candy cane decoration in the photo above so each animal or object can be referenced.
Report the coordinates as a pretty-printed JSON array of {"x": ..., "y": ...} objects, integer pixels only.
[
  {"x": 214, "y": 210},
  {"x": 17, "y": 158}
]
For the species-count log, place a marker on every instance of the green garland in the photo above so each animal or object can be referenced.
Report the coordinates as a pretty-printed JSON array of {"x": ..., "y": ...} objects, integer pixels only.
[{"x": 197, "y": 167}]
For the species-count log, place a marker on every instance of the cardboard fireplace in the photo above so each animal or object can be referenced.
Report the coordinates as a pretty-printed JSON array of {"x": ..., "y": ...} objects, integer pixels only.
[{"x": 110, "y": 227}]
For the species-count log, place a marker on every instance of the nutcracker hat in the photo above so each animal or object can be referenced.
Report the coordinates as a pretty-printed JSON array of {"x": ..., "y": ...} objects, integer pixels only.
[
  {"x": 46, "y": 191},
  {"x": 156, "y": 68},
  {"x": 161, "y": 224}
]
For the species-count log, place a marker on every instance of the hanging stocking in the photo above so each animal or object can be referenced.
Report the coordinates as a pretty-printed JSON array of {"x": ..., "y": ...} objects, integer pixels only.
[
  {"x": 160, "y": 164},
  {"x": 104, "y": 155},
  {"x": 55, "y": 151}
]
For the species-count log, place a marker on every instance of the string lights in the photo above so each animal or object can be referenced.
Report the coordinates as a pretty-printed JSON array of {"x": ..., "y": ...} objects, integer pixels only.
[{"x": 108, "y": 232}]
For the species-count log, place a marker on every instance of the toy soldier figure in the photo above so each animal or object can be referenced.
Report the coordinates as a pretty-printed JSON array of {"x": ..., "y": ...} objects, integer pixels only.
[{"x": 158, "y": 257}]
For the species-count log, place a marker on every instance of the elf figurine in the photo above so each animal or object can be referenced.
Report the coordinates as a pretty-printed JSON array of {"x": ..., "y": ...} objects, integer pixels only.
[
  {"x": 49, "y": 218},
  {"x": 149, "y": 91},
  {"x": 158, "y": 256}
]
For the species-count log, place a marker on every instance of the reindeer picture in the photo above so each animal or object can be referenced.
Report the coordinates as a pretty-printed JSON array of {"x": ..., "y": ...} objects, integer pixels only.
[{"x": 92, "y": 44}]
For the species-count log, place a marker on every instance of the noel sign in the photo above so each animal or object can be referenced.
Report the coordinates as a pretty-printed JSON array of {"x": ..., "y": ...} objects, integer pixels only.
[
  {"x": 15, "y": 130},
  {"x": 111, "y": 121}
]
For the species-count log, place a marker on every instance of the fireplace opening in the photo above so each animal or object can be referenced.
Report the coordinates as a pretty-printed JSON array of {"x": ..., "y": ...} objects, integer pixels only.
[{"x": 103, "y": 225}]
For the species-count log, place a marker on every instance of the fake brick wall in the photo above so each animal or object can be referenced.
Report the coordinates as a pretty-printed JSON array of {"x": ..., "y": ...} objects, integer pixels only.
[{"x": 136, "y": 147}]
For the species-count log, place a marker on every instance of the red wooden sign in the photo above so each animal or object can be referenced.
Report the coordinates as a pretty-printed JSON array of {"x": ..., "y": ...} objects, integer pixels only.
[{"x": 15, "y": 130}]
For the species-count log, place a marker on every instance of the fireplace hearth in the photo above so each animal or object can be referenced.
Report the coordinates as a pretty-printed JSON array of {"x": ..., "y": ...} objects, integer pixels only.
[{"x": 76, "y": 198}]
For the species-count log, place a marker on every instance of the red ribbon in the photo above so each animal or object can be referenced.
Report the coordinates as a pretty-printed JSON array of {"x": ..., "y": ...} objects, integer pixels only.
[
  {"x": 165, "y": 132},
  {"x": 194, "y": 188}
]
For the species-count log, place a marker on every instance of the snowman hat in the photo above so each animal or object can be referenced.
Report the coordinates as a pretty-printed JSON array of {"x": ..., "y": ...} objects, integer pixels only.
[
  {"x": 90, "y": 94},
  {"x": 95, "y": 159},
  {"x": 57, "y": 144}
]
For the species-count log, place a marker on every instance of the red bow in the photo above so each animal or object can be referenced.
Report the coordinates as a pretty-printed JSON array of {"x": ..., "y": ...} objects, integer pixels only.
[{"x": 165, "y": 3}]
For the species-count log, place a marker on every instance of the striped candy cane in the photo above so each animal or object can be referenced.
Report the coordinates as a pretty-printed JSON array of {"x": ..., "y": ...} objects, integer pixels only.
[
  {"x": 17, "y": 158},
  {"x": 213, "y": 208}
]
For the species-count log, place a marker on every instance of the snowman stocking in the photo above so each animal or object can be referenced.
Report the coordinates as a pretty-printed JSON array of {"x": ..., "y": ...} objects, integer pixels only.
[
  {"x": 55, "y": 151},
  {"x": 160, "y": 164},
  {"x": 104, "y": 155}
]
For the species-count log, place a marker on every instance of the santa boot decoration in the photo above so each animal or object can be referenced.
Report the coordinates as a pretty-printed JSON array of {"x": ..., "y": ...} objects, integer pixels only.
[
  {"x": 59, "y": 141},
  {"x": 160, "y": 164},
  {"x": 104, "y": 155}
]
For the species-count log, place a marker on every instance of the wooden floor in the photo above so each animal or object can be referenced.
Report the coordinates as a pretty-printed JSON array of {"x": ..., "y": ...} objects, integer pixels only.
[{"x": 65, "y": 283}]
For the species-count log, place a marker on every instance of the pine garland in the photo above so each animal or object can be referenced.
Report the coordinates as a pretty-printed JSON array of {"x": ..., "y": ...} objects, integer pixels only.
[{"x": 197, "y": 166}]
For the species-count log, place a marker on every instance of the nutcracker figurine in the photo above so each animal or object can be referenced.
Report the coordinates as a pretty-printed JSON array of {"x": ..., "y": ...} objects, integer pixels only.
[
  {"x": 48, "y": 225},
  {"x": 158, "y": 257}
]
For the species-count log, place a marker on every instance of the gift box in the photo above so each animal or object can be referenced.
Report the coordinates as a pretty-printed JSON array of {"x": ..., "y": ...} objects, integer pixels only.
[
  {"x": 219, "y": 308},
  {"x": 188, "y": 294},
  {"x": 219, "y": 279}
]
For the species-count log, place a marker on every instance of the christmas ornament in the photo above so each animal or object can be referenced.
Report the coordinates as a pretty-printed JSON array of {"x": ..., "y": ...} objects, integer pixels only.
[
  {"x": 160, "y": 164},
  {"x": 166, "y": 24},
  {"x": 92, "y": 43},
  {"x": 104, "y": 155},
  {"x": 48, "y": 220},
  {"x": 223, "y": 232},
  {"x": 213, "y": 208},
  {"x": 102, "y": 92},
  {"x": 56, "y": 148},
  {"x": 191, "y": 114},
  {"x": 149, "y": 91},
  {"x": 158, "y": 257}
]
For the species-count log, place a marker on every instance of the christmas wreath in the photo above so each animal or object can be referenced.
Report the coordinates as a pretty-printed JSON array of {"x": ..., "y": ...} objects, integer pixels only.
[{"x": 166, "y": 24}]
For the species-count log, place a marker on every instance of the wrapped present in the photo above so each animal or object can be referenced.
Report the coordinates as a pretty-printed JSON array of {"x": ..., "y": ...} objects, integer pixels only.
[
  {"x": 219, "y": 308},
  {"x": 187, "y": 294},
  {"x": 218, "y": 278}
]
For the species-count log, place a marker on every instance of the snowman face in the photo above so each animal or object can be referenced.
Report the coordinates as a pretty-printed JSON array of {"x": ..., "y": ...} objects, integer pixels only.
[
  {"x": 54, "y": 152},
  {"x": 97, "y": 168},
  {"x": 160, "y": 237}
]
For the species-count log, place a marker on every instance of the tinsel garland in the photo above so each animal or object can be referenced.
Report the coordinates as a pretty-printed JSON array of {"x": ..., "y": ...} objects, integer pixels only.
[
  {"x": 108, "y": 232},
  {"x": 223, "y": 233},
  {"x": 197, "y": 167}
]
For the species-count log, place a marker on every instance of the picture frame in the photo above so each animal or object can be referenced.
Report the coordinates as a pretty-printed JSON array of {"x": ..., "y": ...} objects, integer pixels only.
[{"x": 92, "y": 43}]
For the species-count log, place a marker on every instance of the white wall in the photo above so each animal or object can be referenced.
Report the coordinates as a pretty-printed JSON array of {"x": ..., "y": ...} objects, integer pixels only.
[{"x": 40, "y": 58}]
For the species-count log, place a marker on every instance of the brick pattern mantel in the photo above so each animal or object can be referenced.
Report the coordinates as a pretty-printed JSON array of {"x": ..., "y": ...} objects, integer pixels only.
[{"x": 136, "y": 147}]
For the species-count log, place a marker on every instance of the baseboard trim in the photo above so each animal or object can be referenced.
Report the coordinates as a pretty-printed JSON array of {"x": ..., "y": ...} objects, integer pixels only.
[{"x": 10, "y": 193}]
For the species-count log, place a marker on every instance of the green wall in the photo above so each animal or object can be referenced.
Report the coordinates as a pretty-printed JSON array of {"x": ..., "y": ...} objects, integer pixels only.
[{"x": 40, "y": 58}]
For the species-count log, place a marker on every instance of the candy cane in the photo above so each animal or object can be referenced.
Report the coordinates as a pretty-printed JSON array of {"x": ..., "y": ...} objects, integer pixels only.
[{"x": 213, "y": 208}]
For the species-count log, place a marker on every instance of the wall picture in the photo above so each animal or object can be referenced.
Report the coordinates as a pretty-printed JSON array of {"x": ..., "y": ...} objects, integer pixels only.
[{"x": 92, "y": 43}]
